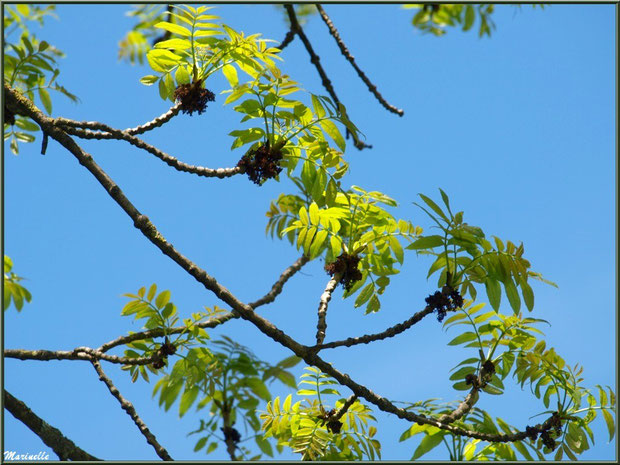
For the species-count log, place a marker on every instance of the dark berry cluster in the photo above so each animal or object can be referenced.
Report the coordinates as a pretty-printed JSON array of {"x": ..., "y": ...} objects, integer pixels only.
[
  {"x": 231, "y": 434},
  {"x": 167, "y": 348},
  {"x": 555, "y": 423},
  {"x": 470, "y": 378},
  {"x": 445, "y": 300},
  {"x": 261, "y": 164},
  {"x": 489, "y": 367},
  {"x": 193, "y": 97},
  {"x": 334, "y": 426},
  {"x": 531, "y": 432},
  {"x": 346, "y": 265},
  {"x": 547, "y": 440}
]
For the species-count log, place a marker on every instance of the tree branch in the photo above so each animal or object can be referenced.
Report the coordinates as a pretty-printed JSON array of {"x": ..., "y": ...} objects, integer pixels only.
[
  {"x": 463, "y": 408},
  {"x": 321, "y": 325},
  {"x": 288, "y": 38},
  {"x": 111, "y": 133},
  {"x": 367, "y": 338},
  {"x": 276, "y": 289},
  {"x": 80, "y": 353},
  {"x": 315, "y": 60},
  {"x": 148, "y": 126},
  {"x": 131, "y": 411},
  {"x": 21, "y": 105},
  {"x": 64, "y": 447},
  {"x": 343, "y": 49}
]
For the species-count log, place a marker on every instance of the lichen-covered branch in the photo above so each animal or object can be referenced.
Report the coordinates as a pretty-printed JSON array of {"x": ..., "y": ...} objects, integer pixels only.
[
  {"x": 80, "y": 353},
  {"x": 52, "y": 437},
  {"x": 131, "y": 411},
  {"x": 321, "y": 325},
  {"x": 367, "y": 338},
  {"x": 464, "y": 407},
  {"x": 345, "y": 51},
  {"x": 316, "y": 61},
  {"x": 111, "y": 133},
  {"x": 148, "y": 126}
]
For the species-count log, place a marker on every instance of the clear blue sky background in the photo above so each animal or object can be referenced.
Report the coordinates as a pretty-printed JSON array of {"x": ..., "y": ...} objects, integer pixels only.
[{"x": 518, "y": 129}]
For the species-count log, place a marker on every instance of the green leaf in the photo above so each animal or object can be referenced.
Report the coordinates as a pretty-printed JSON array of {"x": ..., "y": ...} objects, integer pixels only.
[
  {"x": 434, "y": 206},
  {"x": 182, "y": 76},
  {"x": 426, "y": 242},
  {"x": 187, "y": 399},
  {"x": 374, "y": 305},
  {"x": 149, "y": 80},
  {"x": 470, "y": 15},
  {"x": 230, "y": 72},
  {"x": 174, "y": 28},
  {"x": 494, "y": 292},
  {"x": 258, "y": 388},
  {"x": 611, "y": 426},
  {"x": 264, "y": 445},
  {"x": 513, "y": 295},
  {"x": 364, "y": 295},
  {"x": 152, "y": 292},
  {"x": 528, "y": 294},
  {"x": 200, "y": 444},
  {"x": 428, "y": 443},
  {"x": 162, "y": 299},
  {"x": 462, "y": 338},
  {"x": 46, "y": 100},
  {"x": 330, "y": 128}
]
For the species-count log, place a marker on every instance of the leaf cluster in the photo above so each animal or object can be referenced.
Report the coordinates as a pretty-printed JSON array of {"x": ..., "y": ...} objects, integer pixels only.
[{"x": 307, "y": 426}]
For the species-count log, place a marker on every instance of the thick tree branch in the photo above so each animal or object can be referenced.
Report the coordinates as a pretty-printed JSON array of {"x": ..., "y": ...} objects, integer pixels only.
[
  {"x": 64, "y": 447},
  {"x": 390, "y": 332},
  {"x": 316, "y": 61},
  {"x": 21, "y": 105},
  {"x": 112, "y": 133},
  {"x": 345, "y": 51},
  {"x": 131, "y": 411},
  {"x": 80, "y": 353},
  {"x": 321, "y": 325}
]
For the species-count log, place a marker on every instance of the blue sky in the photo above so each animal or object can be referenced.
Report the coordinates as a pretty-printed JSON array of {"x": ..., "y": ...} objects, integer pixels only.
[{"x": 518, "y": 129}]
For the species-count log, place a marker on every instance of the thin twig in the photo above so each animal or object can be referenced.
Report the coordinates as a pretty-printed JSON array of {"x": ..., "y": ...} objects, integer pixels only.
[
  {"x": 367, "y": 338},
  {"x": 131, "y": 411},
  {"x": 276, "y": 289},
  {"x": 62, "y": 446},
  {"x": 321, "y": 325},
  {"x": 345, "y": 51},
  {"x": 20, "y": 104},
  {"x": 315, "y": 60},
  {"x": 111, "y": 133},
  {"x": 148, "y": 126},
  {"x": 288, "y": 38}
]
